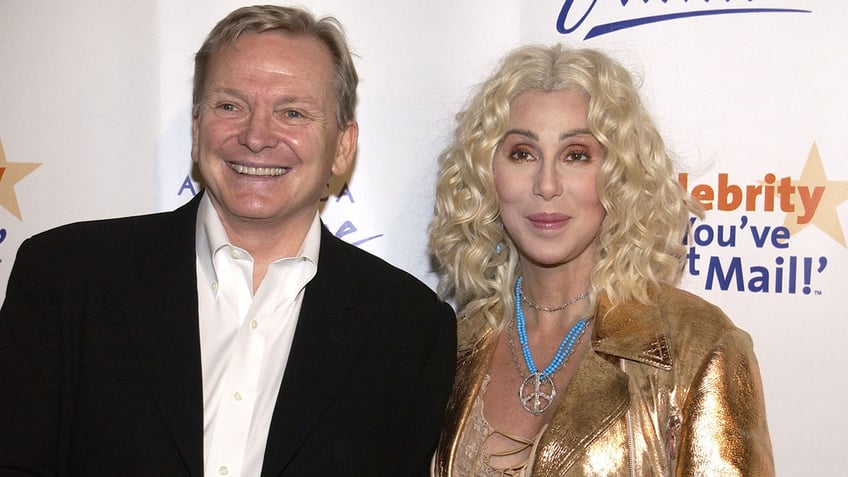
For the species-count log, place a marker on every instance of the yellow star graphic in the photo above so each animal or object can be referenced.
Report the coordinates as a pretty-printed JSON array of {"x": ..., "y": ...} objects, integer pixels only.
[
  {"x": 835, "y": 193},
  {"x": 10, "y": 174}
]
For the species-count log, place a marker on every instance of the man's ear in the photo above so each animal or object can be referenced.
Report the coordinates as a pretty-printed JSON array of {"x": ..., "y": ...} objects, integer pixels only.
[
  {"x": 346, "y": 148},
  {"x": 195, "y": 117}
]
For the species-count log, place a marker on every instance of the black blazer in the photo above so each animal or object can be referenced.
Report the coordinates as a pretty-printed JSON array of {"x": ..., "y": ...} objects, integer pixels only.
[{"x": 100, "y": 359}]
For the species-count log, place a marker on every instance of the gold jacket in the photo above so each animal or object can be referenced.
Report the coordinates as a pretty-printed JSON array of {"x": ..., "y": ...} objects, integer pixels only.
[{"x": 668, "y": 389}]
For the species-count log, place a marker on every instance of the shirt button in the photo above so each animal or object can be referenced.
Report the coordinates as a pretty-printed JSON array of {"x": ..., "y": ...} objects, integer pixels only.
[
  {"x": 215, "y": 286},
  {"x": 254, "y": 324},
  {"x": 237, "y": 396},
  {"x": 223, "y": 470},
  {"x": 235, "y": 254}
]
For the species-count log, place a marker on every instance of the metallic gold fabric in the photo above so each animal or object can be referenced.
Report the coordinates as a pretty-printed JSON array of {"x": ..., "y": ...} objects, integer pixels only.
[{"x": 668, "y": 389}]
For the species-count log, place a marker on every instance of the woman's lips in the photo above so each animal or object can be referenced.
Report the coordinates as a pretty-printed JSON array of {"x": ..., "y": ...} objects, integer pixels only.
[{"x": 548, "y": 221}]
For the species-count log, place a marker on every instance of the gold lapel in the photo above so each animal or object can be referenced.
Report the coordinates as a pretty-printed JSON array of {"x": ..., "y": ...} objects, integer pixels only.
[
  {"x": 595, "y": 398},
  {"x": 634, "y": 331},
  {"x": 598, "y": 394}
]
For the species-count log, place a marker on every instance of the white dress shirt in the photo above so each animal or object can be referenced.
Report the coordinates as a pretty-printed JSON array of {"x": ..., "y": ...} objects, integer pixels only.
[{"x": 245, "y": 340}]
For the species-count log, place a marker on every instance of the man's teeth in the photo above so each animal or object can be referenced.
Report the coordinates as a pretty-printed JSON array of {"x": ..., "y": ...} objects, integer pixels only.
[{"x": 259, "y": 171}]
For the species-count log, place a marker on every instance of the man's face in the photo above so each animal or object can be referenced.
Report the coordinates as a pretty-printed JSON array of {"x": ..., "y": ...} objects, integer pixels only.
[{"x": 265, "y": 136}]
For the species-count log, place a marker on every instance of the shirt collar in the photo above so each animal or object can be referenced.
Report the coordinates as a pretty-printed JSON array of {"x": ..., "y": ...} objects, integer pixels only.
[{"x": 211, "y": 236}]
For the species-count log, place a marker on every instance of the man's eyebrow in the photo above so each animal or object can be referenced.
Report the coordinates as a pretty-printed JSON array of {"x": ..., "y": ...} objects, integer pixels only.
[{"x": 227, "y": 92}]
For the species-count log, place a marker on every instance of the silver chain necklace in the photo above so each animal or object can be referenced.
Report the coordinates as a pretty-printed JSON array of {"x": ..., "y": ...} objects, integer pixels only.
[{"x": 555, "y": 308}]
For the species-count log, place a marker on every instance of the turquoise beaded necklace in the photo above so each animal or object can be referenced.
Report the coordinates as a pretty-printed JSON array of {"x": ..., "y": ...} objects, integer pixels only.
[{"x": 537, "y": 390}]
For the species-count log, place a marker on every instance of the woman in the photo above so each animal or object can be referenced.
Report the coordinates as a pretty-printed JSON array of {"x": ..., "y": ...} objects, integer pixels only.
[{"x": 559, "y": 231}]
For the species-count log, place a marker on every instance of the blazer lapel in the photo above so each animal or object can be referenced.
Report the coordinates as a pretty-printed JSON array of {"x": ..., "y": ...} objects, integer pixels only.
[
  {"x": 160, "y": 307},
  {"x": 327, "y": 339}
]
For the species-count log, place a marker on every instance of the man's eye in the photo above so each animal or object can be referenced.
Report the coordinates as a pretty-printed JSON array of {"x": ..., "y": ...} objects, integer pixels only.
[{"x": 292, "y": 114}]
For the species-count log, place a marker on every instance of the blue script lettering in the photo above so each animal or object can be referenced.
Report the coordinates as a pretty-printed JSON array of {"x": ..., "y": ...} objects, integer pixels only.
[
  {"x": 569, "y": 11},
  {"x": 348, "y": 228},
  {"x": 566, "y": 10}
]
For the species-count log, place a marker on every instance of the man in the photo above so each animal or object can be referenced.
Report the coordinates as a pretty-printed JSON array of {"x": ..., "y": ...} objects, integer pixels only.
[{"x": 235, "y": 335}]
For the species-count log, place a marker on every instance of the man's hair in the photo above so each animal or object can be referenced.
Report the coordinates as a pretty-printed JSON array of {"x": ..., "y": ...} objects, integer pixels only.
[
  {"x": 641, "y": 239},
  {"x": 295, "y": 21}
]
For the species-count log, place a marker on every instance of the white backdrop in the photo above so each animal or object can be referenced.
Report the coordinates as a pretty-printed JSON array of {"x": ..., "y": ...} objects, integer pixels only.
[{"x": 749, "y": 94}]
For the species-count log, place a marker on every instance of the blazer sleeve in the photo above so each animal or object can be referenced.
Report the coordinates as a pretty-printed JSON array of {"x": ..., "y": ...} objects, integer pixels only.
[
  {"x": 433, "y": 390},
  {"x": 723, "y": 429},
  {"x": 31, "y": 368}
]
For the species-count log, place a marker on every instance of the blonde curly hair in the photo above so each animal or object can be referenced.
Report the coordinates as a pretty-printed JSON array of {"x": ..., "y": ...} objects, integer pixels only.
[{"x": 641, "y": 239}]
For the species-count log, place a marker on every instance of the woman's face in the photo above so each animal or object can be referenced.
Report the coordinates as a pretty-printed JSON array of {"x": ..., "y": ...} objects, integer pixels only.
[{"x": 545, "y": 172}]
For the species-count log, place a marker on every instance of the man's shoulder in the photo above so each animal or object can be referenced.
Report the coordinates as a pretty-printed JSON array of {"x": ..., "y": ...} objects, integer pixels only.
[
  {"x": 105, "y": 236},
  {"x": 105, "y": 227},
  {"x": 373, "y": 271},
  {"x": 362, "y": 261},
  {"x": 395, "y": 299}
]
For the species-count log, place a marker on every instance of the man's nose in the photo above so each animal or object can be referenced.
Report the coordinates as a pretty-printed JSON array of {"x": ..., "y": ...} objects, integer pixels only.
[{"x": 259, "y": 132}]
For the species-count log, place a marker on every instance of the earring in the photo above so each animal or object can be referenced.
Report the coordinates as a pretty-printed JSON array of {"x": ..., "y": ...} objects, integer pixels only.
[{"x": 498, "y": 246}]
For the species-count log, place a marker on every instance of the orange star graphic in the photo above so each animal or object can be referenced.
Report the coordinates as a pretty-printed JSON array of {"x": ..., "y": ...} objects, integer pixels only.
[
  {"x": 10, "y": 174},
  {"x": 835, "y": 193}
]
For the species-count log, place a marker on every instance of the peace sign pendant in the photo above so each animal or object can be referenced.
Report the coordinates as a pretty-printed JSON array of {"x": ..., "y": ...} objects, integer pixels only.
[{"x": 537, "y": 392}]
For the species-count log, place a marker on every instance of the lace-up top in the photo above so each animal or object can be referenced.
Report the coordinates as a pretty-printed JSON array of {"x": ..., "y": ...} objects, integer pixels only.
[{"x": 473, "y": 458}]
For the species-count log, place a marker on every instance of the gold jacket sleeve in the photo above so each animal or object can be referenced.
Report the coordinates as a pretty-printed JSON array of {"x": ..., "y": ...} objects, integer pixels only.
[{"x": 724, "y": 430}]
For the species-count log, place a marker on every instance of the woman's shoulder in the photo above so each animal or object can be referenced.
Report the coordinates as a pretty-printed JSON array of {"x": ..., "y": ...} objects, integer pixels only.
[
  {"x": 676, "y": 303},
  {"x": 693, "y": 322}
]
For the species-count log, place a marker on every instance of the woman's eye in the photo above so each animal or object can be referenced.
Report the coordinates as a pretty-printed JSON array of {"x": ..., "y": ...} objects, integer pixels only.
[
  {"x": 577, "y": 156},
  {"x": 521, "y": 155}
]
